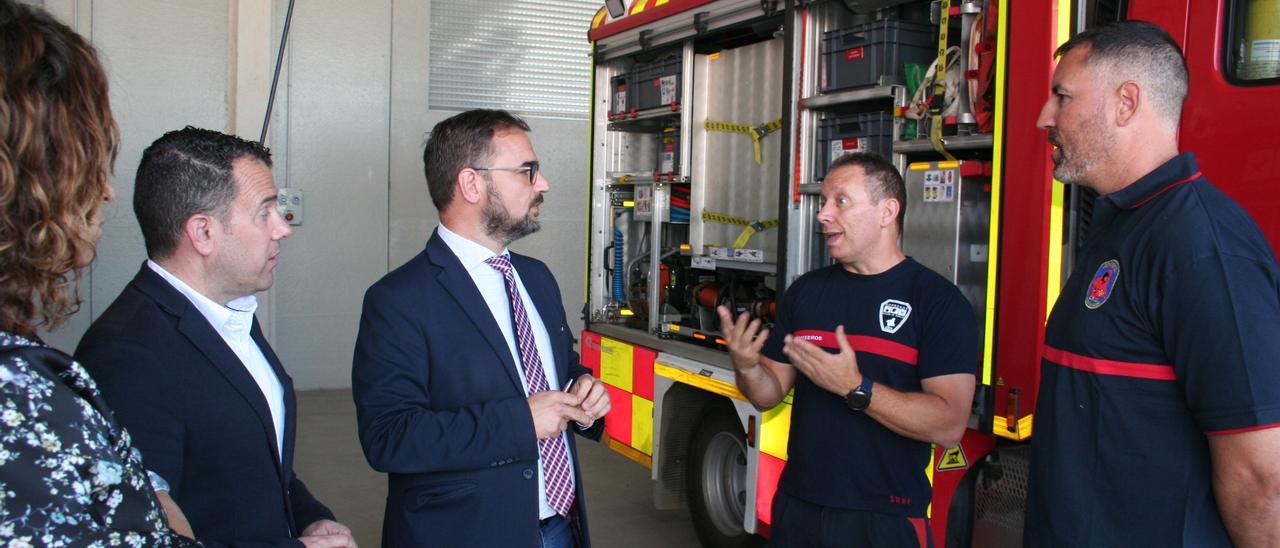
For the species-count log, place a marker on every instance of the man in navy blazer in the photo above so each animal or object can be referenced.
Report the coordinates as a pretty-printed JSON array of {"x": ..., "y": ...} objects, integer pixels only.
[
  {"x": 464, "y": 361},
  {"x": 181, "y": 358}
]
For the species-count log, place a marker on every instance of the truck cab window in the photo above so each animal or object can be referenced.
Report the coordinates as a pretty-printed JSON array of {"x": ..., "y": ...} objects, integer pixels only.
[{"x": 1252, "y": 49}]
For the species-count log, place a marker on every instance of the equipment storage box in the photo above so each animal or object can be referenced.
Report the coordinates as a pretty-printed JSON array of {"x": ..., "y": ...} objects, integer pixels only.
[
  {"x": 864, "y": 132},
  {"x": 859, "y": 56},
  {"x": 658, "y": 83},
  {"x": 622, "y": 96}
]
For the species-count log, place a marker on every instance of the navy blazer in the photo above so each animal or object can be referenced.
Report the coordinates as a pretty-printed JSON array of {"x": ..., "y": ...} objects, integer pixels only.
[
  {"x": 442, "y": 411},
  {"x": 198, "y": 416}
]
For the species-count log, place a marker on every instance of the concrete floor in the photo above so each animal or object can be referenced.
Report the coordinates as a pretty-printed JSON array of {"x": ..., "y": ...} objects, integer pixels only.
[{"x": 329, "y": 461}]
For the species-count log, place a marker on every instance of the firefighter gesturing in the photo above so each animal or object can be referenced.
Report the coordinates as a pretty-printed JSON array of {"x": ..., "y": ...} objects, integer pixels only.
[
  {"x": 886, "y": 351},
  {"x": 1160, "y": 384}
]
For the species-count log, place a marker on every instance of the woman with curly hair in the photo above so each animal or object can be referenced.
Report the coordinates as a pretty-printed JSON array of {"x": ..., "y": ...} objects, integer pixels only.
[{"x": 68, "y": 473}]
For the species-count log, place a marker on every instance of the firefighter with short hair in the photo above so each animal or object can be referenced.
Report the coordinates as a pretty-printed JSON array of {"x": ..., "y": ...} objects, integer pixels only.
[
  {"x": 882, "y": 353},
  {"x": 1160, "y": 383}
]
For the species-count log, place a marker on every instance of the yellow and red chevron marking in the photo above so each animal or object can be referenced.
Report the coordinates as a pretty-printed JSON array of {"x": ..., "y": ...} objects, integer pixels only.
[
  {"x": 640, "y": 13},
  {"x": 773, "y": 457},
  {"x": 641, "y": 5},
  {"x": 771, "y": 438},
  {"x": 627, "y": 372},
  {"x": 769, "y": 470}
]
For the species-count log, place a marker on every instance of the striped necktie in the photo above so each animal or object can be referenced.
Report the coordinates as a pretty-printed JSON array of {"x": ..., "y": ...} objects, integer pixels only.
[{"x": 553, "y": 451}]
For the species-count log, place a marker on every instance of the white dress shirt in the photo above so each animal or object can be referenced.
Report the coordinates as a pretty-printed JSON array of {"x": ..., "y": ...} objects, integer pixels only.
[
  {"x": 233, "y": 323},
  {"x": 494, "y": 290}
]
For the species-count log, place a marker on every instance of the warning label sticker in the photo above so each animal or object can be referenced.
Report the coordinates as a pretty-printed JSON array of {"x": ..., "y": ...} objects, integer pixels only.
[
  {"x": 953, "y": 459},
  {"x": 620, "y": 100},
  {"x": 1264, "y": 50},
  {"x": 939, "y": 186},
  {"x": 840, "y": 147},
  {"x": 1262, "y": 61},
  {"x": 667, "y": 89}
]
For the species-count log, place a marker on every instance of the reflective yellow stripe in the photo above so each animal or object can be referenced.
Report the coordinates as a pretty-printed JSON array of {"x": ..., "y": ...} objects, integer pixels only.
[
  {"x": 627, "y": 451},
  {"x": 1054, "y": 266},
  {"x": 997, "y": 184},
  {"x": 660, "y": 2},
  {"x": 776, "y": 430},
  {"x": 698, "y": 381},
  {"x": 599, "y": 19},
  {"x": 638, "y": 6},
  {"x": 615, "y": 363},
  {"x": 1001, "y": 428},
  {"x": 642, "y": 424},
  {"x": 928, "y": 472},
  {"x": 591, "y": 137}
]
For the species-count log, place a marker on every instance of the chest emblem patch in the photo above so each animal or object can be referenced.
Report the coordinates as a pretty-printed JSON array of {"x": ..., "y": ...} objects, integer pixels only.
[
  {"x": 893, "y": 314},
  {"x": 1104, "y": 281}
]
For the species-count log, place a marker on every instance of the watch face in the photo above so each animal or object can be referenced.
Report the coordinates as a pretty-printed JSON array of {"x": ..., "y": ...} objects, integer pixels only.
[{"x": 858, "y": 400}]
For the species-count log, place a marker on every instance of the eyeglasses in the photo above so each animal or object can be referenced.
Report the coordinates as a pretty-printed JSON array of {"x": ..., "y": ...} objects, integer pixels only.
[{"x": 530, "y": 167}]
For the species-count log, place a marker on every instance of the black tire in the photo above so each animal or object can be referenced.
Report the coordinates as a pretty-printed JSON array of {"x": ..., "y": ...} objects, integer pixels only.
[
  {"x": 716, "y": 479},
  {"x": 960, "y": 514}
]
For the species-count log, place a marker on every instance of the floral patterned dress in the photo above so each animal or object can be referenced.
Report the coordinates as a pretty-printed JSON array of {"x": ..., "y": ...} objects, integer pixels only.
[{"x": 69, "y": 475}]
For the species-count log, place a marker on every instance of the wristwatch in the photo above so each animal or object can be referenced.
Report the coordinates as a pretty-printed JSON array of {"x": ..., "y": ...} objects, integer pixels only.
[{"x": 859, "y": 398}]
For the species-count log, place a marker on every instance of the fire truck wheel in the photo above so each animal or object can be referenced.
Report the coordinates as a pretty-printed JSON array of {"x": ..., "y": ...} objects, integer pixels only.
[{"x": 717, "y": 481}]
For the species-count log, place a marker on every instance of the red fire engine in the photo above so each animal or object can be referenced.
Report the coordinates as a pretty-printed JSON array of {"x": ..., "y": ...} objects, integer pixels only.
[{"x": 713, "y": 121}]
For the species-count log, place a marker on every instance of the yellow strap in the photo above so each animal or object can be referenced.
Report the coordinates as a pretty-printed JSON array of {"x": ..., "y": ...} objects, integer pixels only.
[
  {"x": 724, "y": 219},
  {"x": 727, "y": 127},
  {"x": 939, "y": 82},
  {"x": 752, "y": 227},
  {"x": 935, "y": 137},
  {"x": 755, "y": 132}
]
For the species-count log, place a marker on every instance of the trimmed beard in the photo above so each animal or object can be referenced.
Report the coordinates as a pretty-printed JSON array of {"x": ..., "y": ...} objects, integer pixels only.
[
  {"x": 501, "y": 226},
  {"x": 1091, "y": 147}
]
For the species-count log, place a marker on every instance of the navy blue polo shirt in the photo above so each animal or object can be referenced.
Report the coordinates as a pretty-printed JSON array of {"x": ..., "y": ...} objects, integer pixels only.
[
  {"x": 1167, "y": 331},
  {"x": 905, "y": 324}
]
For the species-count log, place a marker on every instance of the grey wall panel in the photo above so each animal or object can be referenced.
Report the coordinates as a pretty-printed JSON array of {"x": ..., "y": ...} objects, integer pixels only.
[
  {"x": 524, "y": 55},
  {"x": 351, "y": 120},
  {"x": 337, "y": 141},
  {"x": 411, "y": 215},
  {"x": 561, "y": 145},
  {"x": 167, "y": 67},
  {"x": 562, "y": 148}
]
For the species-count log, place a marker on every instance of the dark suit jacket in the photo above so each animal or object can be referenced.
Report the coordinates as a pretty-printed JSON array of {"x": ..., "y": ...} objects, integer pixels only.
[
  {"x": 442, "y": 410},
  {"x": 198, "y": 416}
]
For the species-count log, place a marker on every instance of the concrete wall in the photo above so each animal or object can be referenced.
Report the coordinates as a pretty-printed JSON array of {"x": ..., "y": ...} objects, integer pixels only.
[{"x": 350, "y": 120}]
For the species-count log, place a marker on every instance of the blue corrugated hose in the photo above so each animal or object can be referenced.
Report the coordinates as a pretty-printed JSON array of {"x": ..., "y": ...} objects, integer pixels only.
[{"x": 618, "y": 295}]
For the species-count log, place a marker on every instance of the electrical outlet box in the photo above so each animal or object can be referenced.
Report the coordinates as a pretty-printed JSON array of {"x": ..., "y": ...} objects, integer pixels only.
[{"x": 289, "y": 201}]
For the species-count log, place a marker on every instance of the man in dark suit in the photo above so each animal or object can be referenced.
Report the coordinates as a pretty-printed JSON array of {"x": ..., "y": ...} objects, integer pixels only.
[
  {"x": 182, "y": 360},
  {"x": 464, "y": 377}
]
